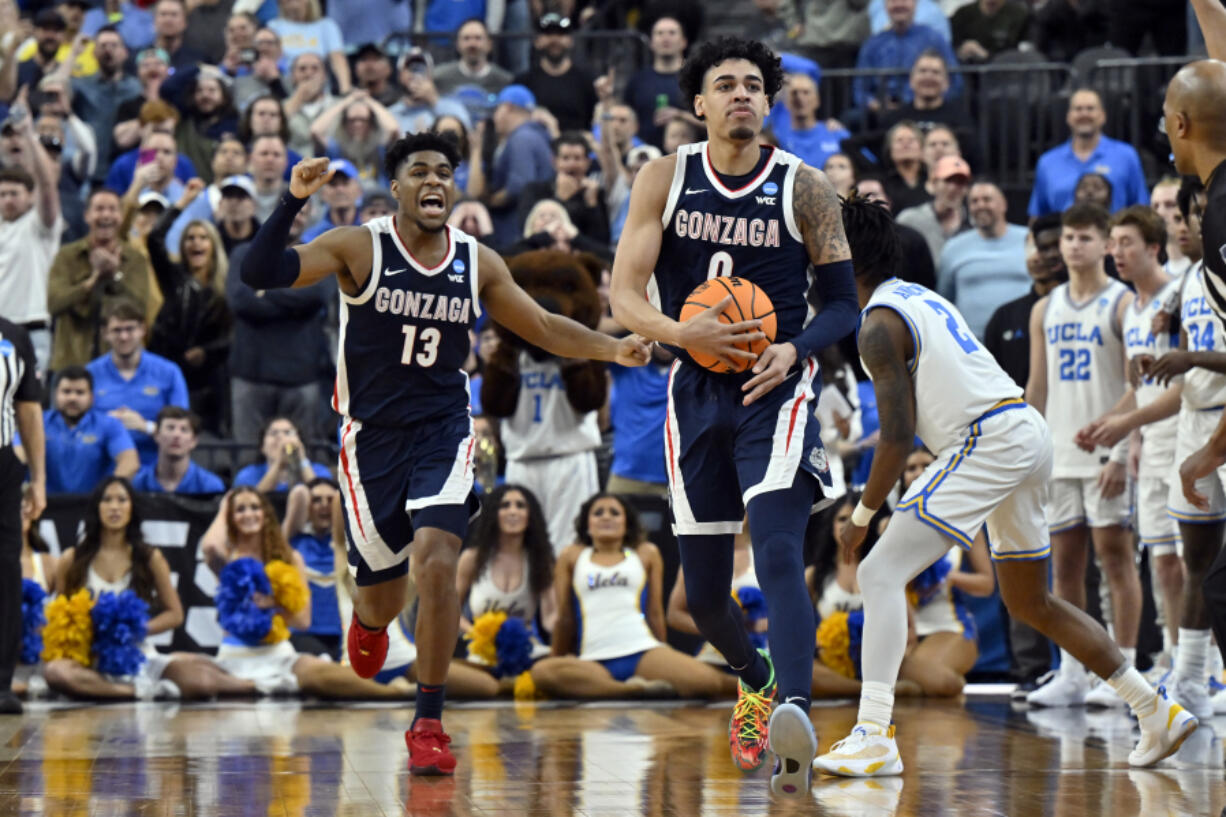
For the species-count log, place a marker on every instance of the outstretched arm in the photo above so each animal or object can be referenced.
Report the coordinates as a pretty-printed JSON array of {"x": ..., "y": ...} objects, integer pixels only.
[
  {"x": 556, "y": 334},
  {"x": 1036, "y": 386},
  {"x": 1212, "y": 18}
]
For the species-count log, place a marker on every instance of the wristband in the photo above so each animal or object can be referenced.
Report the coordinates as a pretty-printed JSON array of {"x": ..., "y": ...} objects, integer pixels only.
[
  {"x": 150, "y": 427},
  {"x": 861, "y": 516}
]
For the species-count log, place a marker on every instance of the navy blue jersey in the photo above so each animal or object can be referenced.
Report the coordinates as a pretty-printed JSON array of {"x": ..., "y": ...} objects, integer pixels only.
[
  {"x": 749, "y": 233},
  {"x": 404, "y": 337}
]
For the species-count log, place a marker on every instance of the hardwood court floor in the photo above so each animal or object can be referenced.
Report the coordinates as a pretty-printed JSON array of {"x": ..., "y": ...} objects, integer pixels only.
[{"x": 294, "y": 760}]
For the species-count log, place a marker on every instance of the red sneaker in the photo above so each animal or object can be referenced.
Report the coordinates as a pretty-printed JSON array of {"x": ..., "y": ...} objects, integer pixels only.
[
  {"x": 428, "y": 752},
  {"x": 367, "y": 649}
]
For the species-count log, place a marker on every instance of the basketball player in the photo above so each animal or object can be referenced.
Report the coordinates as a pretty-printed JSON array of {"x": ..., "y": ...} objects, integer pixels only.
[
  {"x": 1138, "y": 234},
  {"x": 411, "y": 289},
  {"x": 1076, "y": 376},
  {"x": 748, "y": 442},
  {"x": 932, "y": 378}
]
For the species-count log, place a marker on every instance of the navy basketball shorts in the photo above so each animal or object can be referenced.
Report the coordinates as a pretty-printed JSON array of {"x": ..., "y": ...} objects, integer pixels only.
[
  {"x": 394, "y": 481},
  {"x": 721, "y": 454}
]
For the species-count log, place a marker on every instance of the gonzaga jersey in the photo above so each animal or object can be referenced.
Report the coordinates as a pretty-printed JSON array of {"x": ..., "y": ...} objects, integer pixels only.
[
  {"x": 750, "y": 232},
  {"x": 404, "y": 338},
  {"x": 956, "y": 380},
  {"x": 1158, "y": 450},
  {"x": 1085, "y": 372},
  {"x": 545, "y": 424},
  {"x": 1202, "y": 388}
]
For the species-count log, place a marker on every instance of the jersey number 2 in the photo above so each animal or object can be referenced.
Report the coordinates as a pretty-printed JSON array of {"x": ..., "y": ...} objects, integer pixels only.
[{"x": 428, "y": 351}]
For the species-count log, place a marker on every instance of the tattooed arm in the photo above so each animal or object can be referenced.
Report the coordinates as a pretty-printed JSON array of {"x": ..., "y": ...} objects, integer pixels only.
[
  {"x": 819, "y": 215},
  {"x": 884, "y": 348}
]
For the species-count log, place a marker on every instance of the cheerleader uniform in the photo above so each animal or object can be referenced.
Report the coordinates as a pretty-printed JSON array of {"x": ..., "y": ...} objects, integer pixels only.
[
  {"x": 834, "y": 599},
  {"x": 611, "y": 612},
  {"x": 269, "y": 666},
  {"x": 942, "y": 609},
  {"x": 486, "y": 597},
  {"x": 155, "y": 663}
]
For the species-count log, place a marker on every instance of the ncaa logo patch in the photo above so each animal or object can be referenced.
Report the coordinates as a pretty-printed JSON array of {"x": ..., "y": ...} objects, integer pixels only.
[
  {"x": 458, "y": 266},
  {"x": 770, "y": 188}
]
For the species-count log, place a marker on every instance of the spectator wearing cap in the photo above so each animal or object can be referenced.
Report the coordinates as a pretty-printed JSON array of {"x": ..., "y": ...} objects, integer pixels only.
[
  {"x": 30, "y": 228},
  {"x": 557, "y": 84},
  {"x": 811, "y": 139},
  {"x": 76, "y": 53},
  {"x": 170, "y": 30},
  {"x": 134, "y": 23},
  {"x": 235, "y": 211},
  {"x": 984, "y": 28},
  {"x": 828, "y": 31},
  {"x": 571, "y": 185},
  {"x": 176, "y": 432},
  {"x": 372, "y": 73},
  {"x": 203, "y": 97},
  {"x": 1088, "y": 150},
  {"x": 983, "y": 268},
  {"x": 152, "y": 69},
  {"x": 96, "y": 99},
  {"x": 83, "y": 443},
  {"x": 341, "y": 194},
  {"x": 89, "y": 275},
  {"x": 131, "y": 383},
  {"x": 369, "y": 21},
  {"x": 311, "y": 98},
  {"x": 636, "y": 158},
  {"x": 304, "y": 31},
  {"x": 41, "y": 56},
  {"x": 229, "y": 159},
  {"x": 259, "y": 68},
  {"x": 898, "y": 47},
  {"x": 358, "y": 129},
  {"x": 653, "y": 91},
  {"x": 206, "y": 28},
  {"x": 930, "y": 104},
  {"x": 945, "y": 216},
  {"x": 156, "y": 117},
  {"x": 421, "y": 103},
  {"x": 268, "y": 163},
  {"x": 522, "y": 157},
  {"x": 474, "y": 45}
]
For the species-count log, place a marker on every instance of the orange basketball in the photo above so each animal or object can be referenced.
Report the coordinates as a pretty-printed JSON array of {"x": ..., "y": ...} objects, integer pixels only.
[{"x": 748, "y": 302}]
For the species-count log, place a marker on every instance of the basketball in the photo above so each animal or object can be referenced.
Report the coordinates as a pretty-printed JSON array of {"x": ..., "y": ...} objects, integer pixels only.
[{"x": 748, "y": 302}]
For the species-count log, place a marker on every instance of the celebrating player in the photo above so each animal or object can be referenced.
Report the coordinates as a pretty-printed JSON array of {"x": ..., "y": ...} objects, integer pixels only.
[
  {"x": 730, "y": 206},
  {"x": 993, "y": 464},
  {"x": 411, "y": 289}
]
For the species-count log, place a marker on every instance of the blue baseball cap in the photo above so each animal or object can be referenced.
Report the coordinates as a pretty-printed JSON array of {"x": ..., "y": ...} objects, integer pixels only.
[
  {"x": 343, "y": 166},
  {"x": 796, "y": 64},
  {"x": 518, "y": 96}
]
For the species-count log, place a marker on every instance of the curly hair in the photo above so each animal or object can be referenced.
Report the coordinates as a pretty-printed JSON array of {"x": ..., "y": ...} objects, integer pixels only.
[
  {"x": 272, "y": 540},
  {"x": 406, "y": 146},
  {"x": 483, "y": 535},
  {"x": 875, "y": 249},
  {"x": 91, "y": 542},
  {"x": 712, "y": 53},
  {"x": 635, "y": 535}
]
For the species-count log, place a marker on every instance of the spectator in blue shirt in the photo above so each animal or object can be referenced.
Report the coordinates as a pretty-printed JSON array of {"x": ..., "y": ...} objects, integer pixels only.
[
  {"x": 284, "y": 462},
  {"x": 131, "y": 383},
  {"x": 638, "y": 404},
  {"x": 927, "y": 13},
  {"x": 523, "y": 156},
  {"x": 1088, "y": 151},
  {"x": 83, "y": 444},
  {"x": 134, "y": 24},
  {"x": 898, "y": 48},
  {"x": 308, "y": 529},
  {"x": 176, "y": 432},
  {"x": 302, "y": 31},
  {"x": 812, "y": 140}
]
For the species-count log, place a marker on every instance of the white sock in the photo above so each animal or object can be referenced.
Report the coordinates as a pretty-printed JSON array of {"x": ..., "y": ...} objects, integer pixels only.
[
  {"x": 1168, "y": 643},
  {"x": 1130, "y": 655},
  {"x": 1070, "y": 667},
  {"x": 1131, "y": 685},
  {"x": 1215, "y": 660},
  {"x": 876, "y": 704},
  {"x": 1192, "y": 664}
]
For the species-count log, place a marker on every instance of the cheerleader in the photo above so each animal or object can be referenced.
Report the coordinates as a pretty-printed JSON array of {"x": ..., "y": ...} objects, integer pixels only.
[
  {"x": 246, "y": 526},
  {"x": 611, "y": 613},
  {"x": 112, "y": 556}
]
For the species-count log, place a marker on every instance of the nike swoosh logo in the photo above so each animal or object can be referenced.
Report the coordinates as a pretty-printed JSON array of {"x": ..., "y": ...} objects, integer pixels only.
[
  {"x": 690, "y": 192},
  {"x": 392, "y": 272}
]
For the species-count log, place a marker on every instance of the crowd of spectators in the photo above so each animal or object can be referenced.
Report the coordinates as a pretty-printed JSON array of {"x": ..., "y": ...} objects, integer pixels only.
[{"x": 142, "y": 143}]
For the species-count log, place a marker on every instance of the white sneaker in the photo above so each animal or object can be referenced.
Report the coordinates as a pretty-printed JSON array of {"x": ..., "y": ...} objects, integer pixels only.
[
  {"x": 867, "y": 752},
  {"x": 791, "y": 737},
  {"x": 1064, "y": 689},
  {"x": 283, "y": 684},
  {"x": 1193, "y": 697},
  {"x": 1163, "y": 729},
  {"x": 1103, "y": 695}
]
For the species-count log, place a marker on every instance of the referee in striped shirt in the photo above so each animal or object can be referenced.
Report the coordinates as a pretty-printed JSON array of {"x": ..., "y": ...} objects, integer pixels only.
[{"x": 20, "y": 410}]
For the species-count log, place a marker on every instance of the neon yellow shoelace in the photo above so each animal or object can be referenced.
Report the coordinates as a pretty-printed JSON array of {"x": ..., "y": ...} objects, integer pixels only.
[{"x": 750, "y": 709}]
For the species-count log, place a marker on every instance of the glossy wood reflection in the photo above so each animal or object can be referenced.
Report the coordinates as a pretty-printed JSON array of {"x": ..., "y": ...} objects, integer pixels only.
[{"x": 291, "y": 760}]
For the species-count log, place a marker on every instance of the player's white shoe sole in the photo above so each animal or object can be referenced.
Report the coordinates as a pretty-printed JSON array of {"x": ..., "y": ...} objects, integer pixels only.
[
  {"x": 791, "y": 738},
  {"x": 866, "y": 752}
]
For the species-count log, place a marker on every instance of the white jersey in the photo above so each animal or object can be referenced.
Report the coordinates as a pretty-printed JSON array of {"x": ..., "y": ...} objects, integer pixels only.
[
  {"x": 956, "y": 380},
  {"x": 612, "y": 618},
  {"x": 544, "y": 423},
  {"x": 1158, "y": 449},
  {"x": 1085, "y": 372},
  {"x": 1202, "y": 389},
  {"x": 486, "y": 597}
]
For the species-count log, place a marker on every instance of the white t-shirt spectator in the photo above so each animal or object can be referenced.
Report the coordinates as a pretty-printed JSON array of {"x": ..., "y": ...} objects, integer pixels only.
[
  {"x": 321, "y": 37},
  {"x": 27, "y": 249}
]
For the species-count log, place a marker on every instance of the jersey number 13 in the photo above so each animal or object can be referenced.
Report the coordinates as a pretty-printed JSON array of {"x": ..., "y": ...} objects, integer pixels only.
[{"x": 427, "y": 348}]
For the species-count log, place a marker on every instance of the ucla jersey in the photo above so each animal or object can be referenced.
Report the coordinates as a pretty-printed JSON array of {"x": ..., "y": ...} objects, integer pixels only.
[
  {"x": 750, "y": 233},
  {"x": 956, "y": 380},
  {"x": 1202, "y": 388},
  {"x": 1085, "y": 372},
  {"x": 1158, "y": 450},
  {"x": 404, "y": 337}
]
